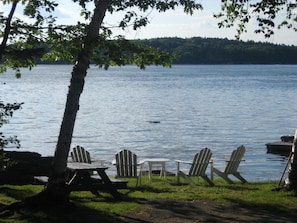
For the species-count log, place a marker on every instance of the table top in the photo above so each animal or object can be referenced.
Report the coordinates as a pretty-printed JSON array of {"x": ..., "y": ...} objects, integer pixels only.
[
  {"x": 83, "y": 166},
  {"x": 152, "y": 160}
]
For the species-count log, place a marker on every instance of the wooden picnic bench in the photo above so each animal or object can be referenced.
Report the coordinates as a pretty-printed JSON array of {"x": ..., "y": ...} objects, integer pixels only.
[{"x": 81, "y": 179}]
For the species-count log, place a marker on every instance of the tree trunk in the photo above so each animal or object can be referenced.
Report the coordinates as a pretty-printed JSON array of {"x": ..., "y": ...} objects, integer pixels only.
[
  {"x": 291, "y": 181},
  {"x": 56, "y": 187}
]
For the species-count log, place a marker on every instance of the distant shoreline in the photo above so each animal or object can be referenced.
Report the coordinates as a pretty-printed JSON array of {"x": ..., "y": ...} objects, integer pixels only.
[{"x": 216, "y": 51}]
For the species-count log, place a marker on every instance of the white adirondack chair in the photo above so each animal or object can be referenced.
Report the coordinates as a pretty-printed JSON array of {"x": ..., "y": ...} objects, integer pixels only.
[
  {"x": 127, "y": 165},
  {"x": 79, "y": 154},
  {"x": 232, "y": 166},
  {"x": 198, "y": 167}
]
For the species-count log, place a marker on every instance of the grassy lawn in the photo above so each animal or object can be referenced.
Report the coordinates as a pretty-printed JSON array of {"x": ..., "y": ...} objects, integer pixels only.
[{"x": 86, "y": 207}]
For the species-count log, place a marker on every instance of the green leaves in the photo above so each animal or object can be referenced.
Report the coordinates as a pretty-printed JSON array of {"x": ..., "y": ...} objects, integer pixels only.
[
  {"x": 136, "y": 20},
  {"x": 40, "y": 37},
  {"x": 239, "y": 13},
  {"x": 122, "y": 52},
  {"x": 6, "y": 111},
  {"x": 21, "y": 45},
  {"x": 234, "y": 13}
]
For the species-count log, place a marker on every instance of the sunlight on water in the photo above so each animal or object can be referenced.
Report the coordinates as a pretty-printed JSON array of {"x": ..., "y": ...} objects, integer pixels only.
[{"x": 159, "y": 112}]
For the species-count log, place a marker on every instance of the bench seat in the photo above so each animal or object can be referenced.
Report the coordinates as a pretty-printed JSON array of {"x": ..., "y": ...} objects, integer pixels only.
[
  {"x": 40, "y": 179},
  {"x": 96, "y": 184}
]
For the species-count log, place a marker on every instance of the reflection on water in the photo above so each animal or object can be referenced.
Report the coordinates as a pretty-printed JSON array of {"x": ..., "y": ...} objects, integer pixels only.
[{"x": 168, "y": 113}]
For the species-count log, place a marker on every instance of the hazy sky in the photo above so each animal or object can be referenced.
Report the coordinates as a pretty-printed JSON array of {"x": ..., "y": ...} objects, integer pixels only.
[{"x": 177, "y": 24}]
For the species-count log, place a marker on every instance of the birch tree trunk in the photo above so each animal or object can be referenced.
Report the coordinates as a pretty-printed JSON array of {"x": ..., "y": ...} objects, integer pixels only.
[{"x": 56, "y": 185}]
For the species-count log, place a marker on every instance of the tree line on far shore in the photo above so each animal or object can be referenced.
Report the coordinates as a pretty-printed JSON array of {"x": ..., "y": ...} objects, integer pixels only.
[{"x": 198, "y": 50}]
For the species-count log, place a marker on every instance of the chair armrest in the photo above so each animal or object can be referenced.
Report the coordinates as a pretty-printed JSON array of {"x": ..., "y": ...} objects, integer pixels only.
[
  {"x": 227, "y": 161},
  {"x": 141, "y": 162},
  {"x": 181, "y": 161},
  {"x": 178, "y": 162}
]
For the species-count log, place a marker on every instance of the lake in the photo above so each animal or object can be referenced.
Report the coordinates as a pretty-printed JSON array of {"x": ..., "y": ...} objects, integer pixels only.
[{"x": 161, "y": 112}]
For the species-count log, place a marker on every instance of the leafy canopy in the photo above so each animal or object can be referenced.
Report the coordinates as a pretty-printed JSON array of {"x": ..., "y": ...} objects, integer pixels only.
[
  {"x": 268, "y": 15},
  {"x": 39, "y": 35}
]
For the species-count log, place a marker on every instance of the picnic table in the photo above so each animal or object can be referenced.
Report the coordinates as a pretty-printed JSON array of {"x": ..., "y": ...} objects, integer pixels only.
[{"x": 81, "y": 178}]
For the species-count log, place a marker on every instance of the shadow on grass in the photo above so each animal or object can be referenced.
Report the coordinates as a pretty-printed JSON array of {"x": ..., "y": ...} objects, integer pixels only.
[
  {"x": 211, "y": 211},
  {"x": 90, "y": 209},
  {"x": 268, "y": 212},
  {"x": 83, "y": 207},
  {"x": 14, "y": 193},
  {"x": 72, "y": 213},
  {"x": 218, "y": 184},
  {"x": 237, "y": 187},
  {"x": 150, "y": 189}
]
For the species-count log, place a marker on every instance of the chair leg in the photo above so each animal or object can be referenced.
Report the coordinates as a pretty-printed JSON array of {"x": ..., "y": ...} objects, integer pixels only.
[
  {"x": 177, "y": 172},
  {"x": 226, "y": 178},
  {"x": 177, "y": 178},
  {"x": 240, "y": 177},
  {"x": 186, "y": 177},
  {"x": 139, "y": 176},
  {"x": 138, "y": 180},
  {"x": 223, "y": 175},
  {"x": 189, "y": 180},
  {"x": 208, "y": 180}
]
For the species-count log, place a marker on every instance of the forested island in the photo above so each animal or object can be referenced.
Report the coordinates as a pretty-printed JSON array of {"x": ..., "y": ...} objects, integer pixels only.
[{"x": 198, "y": 50}]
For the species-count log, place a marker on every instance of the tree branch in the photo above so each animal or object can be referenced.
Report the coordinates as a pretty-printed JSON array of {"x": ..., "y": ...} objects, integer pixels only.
[{"x": 7, "y": 28}]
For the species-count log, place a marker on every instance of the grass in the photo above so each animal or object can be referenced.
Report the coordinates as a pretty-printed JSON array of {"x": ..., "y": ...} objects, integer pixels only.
[{"x": 87, "y": 207}]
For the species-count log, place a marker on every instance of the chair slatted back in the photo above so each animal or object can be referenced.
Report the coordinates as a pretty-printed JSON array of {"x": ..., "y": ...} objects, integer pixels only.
[
  {"x": 200, "y": 162},
  {"x": 235, "y": 159},
  {"x": 79, "y": 154},
  {"x": 126, "y": 164}
]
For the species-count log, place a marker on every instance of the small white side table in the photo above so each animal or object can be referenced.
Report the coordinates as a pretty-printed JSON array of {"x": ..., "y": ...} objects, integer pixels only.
[{"x": 157, "y": 161}]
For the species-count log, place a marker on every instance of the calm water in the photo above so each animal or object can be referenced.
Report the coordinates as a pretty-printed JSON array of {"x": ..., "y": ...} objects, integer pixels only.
[{"x": 220, "y": 107}]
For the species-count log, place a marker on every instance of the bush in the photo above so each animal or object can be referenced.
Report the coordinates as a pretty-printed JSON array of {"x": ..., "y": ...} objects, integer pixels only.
[{"x": 6, "y": 111}]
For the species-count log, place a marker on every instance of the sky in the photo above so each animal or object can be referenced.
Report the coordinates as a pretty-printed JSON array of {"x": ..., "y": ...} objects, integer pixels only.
[{"x": 178, "y": 24}]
